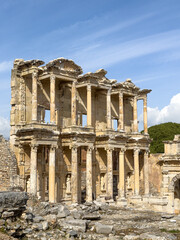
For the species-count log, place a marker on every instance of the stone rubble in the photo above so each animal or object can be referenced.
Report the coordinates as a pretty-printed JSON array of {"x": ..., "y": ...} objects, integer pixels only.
[{"x": 46, "y": 221}]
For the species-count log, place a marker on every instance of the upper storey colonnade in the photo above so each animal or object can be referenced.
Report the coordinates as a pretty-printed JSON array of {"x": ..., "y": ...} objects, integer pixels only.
[{"x": 101, "y": 100}]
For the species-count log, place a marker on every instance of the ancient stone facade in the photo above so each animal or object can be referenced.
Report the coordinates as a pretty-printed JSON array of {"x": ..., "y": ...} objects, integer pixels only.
[
  {"x": 170, "y": 167},
  {"x": 90, "y": 148}
]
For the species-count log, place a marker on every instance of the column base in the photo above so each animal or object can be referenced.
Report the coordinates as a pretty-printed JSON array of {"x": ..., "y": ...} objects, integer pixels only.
[
  {"x": 136, "y": 199},
  {"x": 146, "y": 198},
  {"x": 121, "y": 201},
  {"x": 121, "y": 131}
]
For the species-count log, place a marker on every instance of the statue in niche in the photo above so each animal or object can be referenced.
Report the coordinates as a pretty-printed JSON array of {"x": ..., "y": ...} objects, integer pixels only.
[
  {"x": 129, "y": 180},
  {"x": 103, "y": 184},
  {"x": 68, "y": 184}
]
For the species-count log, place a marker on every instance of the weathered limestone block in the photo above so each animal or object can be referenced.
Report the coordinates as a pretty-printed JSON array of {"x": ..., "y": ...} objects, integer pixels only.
[
  {"x": 13, "y": 199},
  {"x": 103, "y": 229},
  {"x": 75, "y": 224}
]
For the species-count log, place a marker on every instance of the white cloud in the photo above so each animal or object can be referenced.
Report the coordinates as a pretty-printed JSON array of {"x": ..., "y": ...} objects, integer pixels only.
[
  {"x": 4, "y": 127},
  {"x": 106, "y": 55},
  {"x": 6, "y": 65},
  {"x": 170, "y": 113}
]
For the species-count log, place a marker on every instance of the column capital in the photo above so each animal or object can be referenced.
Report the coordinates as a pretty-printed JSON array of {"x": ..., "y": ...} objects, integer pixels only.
[
  {"x": 146, "y": 152},
  {"x": 136, "y": 150},
  {"x": 35, "y": 74},
  {"x": 122, "y": 150},
  {"x": 52, "y": 77},
  {"x": 90, "y": 148},
  {"x": 73, "y": 147},
  {"x": 20, "y": 146},
  {"x": 74, "y": 83},
  {"x": 34, "y": 147},
  {"x": 88, "y": 87},
  {"x": 110, "y": 149},
  {"x": 53, "y": 147},
  {"x": 120, "y": 94}
]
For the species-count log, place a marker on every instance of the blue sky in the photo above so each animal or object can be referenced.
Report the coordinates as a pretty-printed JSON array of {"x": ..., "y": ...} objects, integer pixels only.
[{"x": 130, "y": 39}]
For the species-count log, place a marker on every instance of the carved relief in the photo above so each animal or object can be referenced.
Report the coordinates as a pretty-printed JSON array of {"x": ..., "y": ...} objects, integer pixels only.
[{"x": 22, "y": 100}]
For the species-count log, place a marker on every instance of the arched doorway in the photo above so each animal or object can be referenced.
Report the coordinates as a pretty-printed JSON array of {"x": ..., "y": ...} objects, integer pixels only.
[
  {"x": 177, "y": 196},
  {"x": 175, "y": 188}
]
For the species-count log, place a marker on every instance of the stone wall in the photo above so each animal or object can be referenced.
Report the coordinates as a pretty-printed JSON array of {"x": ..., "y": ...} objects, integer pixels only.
[
  {"x": 155, "y": 174},
  {"x": 8, "y": 173}
]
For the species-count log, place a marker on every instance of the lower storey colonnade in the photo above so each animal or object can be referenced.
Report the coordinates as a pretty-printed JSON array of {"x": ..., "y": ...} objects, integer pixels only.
[{"x": 84, "y": 173}]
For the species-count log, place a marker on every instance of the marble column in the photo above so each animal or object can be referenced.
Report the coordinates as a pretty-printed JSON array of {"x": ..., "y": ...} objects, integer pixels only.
[
  {"x": 146, "y": 173},
  {"x": 52, "y": 173},
  {"x": 73, "y": 104},
  {"x": 136, "y": 171},
  {"x": 121, "y": 192},
  {"x": 109, "y": 121},
  {"x": 135, "y": 114},
  {"x": 89, "y": 103},
  {"x": 89, "y": 175},
  {"x": 21, "y": 164},
  {"x": 121, "y": 113},
  {"x": 145, "y": 114},
  {"x": 33, "y": 170},
  {"x": 39, "y": 175},
  {"x": 34, "y": 96},
  {"x": 52, "y": 99},
  {"x": 109, "y": 173},
  {"x": 74, "y": 175},
  {"x": 43, "y": 177}
]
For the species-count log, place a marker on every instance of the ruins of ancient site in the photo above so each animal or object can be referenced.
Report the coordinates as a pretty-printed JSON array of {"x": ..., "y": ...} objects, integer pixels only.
[
  {"x": 77, "y": 166},
  {"x": 89, "y": 120}
]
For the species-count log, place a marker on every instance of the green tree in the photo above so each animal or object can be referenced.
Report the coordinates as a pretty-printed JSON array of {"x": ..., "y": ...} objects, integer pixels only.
[{"x": 160, "y": 133}]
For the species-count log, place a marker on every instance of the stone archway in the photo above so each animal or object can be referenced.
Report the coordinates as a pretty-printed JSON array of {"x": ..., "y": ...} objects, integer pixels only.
[
  {"x": 173, "y": 181},
  {"x": 174, "y": 187}
]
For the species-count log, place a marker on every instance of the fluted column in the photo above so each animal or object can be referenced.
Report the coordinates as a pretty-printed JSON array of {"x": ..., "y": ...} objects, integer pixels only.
[
  {"x": 121, "y": 112},
  {"x": 33, "y": 170},
  {"x": 109, "y": 173},
  {"x": 52, "y": 173},
  {"x": 34, "y": 96},
  {"x": 146, "y": 173},
  {"x": 109, "y": 121},
  {"x": 121, "y": 174},
  {"x": 89, "y": 103},
  {"x": 136, "y": 171},
  {"x": 135, "y": 114},
  {"x": 73, "y": 104},
  {"x": 145, "y": 114},
  {"x": 74, "y": 175},
  {"x": 52, "y": 99},
  {"x": 89, "y": 175}
]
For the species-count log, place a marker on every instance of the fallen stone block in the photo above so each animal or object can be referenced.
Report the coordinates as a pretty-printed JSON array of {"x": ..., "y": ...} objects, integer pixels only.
[
  {"x": 63, "y": 212},
  {"x": 7, "y": 214},
  {"x": 75, "y": 224},
  {"x": 103, "y": 228},
  {"x": 13, "y": 199}
]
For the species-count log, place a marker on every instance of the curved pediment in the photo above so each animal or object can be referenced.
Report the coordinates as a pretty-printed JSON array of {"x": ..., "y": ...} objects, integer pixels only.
[{"x": 64, "y": 64}]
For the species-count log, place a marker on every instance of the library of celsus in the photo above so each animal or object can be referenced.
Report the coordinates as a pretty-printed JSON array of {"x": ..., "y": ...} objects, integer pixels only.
[{"x": 76, "y": 136}]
